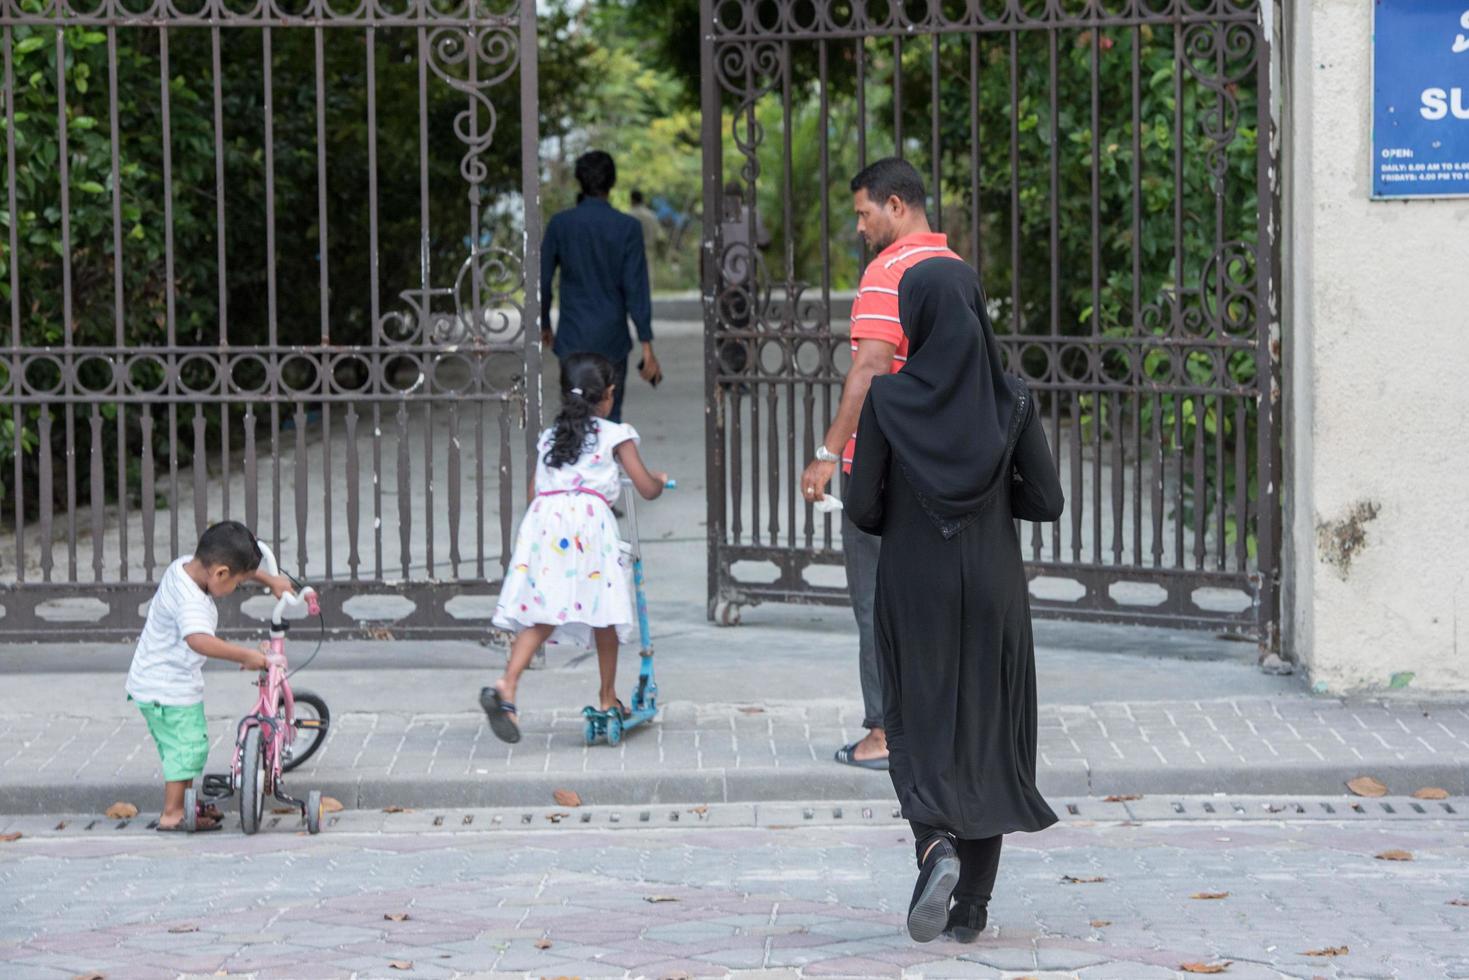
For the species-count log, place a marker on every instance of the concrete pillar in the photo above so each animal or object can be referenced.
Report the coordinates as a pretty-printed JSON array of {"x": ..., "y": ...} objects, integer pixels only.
[{"x": 1376, "y": 306}]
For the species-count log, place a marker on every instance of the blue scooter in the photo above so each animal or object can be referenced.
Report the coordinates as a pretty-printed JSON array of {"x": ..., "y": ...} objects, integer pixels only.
[{"x": 611, "y": 724}]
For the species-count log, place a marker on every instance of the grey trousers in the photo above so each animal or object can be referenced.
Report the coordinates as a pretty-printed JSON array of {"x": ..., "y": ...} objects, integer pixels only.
[{"x": 861, "y": 550}]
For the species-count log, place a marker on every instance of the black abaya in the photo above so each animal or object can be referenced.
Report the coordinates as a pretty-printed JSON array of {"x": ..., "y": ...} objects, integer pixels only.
[{"x": 952, "y": 617}]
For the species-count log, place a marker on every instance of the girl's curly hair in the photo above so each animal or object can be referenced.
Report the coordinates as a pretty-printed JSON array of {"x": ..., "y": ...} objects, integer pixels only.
[{"x": 585, "y": 379}]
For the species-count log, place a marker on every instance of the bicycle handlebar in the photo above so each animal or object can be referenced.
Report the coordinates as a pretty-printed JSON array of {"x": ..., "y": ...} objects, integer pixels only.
[{"x": 306, "y": 597}]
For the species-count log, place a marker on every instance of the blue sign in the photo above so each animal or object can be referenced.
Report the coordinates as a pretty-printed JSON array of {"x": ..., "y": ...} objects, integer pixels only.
[{"x": 1420, "y": 98}]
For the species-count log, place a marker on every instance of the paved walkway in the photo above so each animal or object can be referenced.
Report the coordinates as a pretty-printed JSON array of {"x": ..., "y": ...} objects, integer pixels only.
[
  {"x": 714, "y": 752},
  {"x": 763, "y": 903}
]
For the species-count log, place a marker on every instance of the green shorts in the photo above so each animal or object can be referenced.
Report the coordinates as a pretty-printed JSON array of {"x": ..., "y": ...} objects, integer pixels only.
[{"x": 182, "y": 737}]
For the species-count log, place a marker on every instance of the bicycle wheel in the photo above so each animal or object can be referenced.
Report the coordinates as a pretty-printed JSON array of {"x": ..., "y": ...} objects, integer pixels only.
[
  {"x": 252, "y": 781},
  {"x": 312, "y": 721}
]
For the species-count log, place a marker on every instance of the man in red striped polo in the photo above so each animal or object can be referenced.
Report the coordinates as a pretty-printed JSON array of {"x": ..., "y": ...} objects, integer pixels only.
[{"x": 893, "y": 220}]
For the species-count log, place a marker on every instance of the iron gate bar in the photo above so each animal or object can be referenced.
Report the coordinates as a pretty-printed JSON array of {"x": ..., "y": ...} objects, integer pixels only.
[
  {"x": 477, "y": 360},
  {"x": 1126, "y": 414}
]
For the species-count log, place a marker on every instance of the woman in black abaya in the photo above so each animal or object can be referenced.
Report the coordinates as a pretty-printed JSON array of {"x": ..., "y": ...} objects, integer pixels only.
[{"x": 949, "y": 452}]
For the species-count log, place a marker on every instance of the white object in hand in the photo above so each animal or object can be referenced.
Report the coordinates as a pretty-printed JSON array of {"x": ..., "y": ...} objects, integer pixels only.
[{"x": 827, "y": 504}]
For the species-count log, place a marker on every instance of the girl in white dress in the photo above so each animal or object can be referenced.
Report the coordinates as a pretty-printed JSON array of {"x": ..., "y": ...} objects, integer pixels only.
[{"x": 568, "y": 582}]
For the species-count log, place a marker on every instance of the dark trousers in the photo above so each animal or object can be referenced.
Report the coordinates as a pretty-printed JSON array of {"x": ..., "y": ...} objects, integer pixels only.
[
  {"x": 619, "y": 378},
  {"x": 979, "y": 861},
  {"x": 860, "y": 551}
]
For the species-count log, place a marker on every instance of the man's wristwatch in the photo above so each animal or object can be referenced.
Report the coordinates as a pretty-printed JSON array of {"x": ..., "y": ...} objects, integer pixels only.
[{"x": 826, "y": 455}]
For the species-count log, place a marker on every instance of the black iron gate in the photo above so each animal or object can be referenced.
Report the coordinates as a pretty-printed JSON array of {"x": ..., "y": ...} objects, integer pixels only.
[
  {"x": 267, "y": 261},
  {"x": 1108, "y": 165}
]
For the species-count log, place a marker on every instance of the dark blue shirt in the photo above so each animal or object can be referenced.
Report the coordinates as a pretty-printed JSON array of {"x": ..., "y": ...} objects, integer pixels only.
[{"x": 604, "y": 279}]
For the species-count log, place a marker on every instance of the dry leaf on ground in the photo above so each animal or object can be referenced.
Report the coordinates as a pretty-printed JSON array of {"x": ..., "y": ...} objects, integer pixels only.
[
  {"x": 1328, "y": 951},
  {"x": 1461, "y": 902},
  {"x": 1101, "y": 923},
  {"x": 752, "y": 710},
  {"x": 401, "y": 964},
  {"x": 283, "y": 810},
  {"x": 700, "y": 810},
  {"x": 1209, "y": 896},
  {"x": 330, "y": 804},
  {"x": 397, "y": 809},
  {"x": 180, "y": 930},
  {"x": 90, "y": 976},
  {"x": 396, "y": 916},
  {"x": 1366, "y": 786},
  {"x": 1122, "y": 797},
  {"x": 566, "y": 797},
  {"x": 658, "y": 899},
  {"x": 676, "y": 975},
  {"x": 543, "y": 944},
  {"x": 1431, "y": 793},
  {"x": 121, "y": 811},
  {"x": 7, "y": 838},
  {"x": 1075, "y": 880},
  {"x": 382, "y": 634},
  {"x": 1395, "y": 854},
  {"x": 1205, "y": 967}
]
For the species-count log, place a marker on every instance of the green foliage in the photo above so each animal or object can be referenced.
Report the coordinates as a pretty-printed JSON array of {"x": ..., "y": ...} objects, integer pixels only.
[{"x": 62, "y": 112}]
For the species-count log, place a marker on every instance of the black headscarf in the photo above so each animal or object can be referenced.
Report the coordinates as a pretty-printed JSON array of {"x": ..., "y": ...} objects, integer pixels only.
[{"x": 951, "y": 414}]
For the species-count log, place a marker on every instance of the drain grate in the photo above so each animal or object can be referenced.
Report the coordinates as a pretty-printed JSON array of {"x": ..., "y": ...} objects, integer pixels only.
[
  {"x": 1338, "y": 808},
  {"x": 776, "y": 816}
]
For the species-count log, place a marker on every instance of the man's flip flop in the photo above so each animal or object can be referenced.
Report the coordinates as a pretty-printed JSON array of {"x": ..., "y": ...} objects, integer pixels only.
[
  {"x": 847, "y": 756},
  {"x": 499, "y": 712}
]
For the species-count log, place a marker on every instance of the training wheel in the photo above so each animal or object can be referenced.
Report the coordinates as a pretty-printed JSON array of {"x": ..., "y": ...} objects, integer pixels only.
[
  {"x": 191, "y": 810},
  {"x": 313, "y": 812}
]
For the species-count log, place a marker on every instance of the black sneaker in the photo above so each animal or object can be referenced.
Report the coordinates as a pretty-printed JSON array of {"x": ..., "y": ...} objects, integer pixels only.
[
  {"x": 967, "y": 921},
  {"x": 928, "y": 913}
]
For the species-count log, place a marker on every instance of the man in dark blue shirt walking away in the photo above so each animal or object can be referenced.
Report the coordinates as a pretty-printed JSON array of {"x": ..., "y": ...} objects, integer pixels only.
[{"x": 604, "y": 278}]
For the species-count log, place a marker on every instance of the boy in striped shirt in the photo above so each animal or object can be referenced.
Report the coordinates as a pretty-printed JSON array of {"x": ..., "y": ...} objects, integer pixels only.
[{"x": 892, "y": 218}]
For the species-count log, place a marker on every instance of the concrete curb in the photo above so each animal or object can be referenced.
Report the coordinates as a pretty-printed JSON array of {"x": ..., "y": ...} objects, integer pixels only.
[{"x": 811, "y": 783}]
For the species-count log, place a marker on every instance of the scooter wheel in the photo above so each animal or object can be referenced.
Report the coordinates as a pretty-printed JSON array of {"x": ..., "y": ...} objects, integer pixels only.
[
  {"x": 614, "y": 729},
  {"x": 191, "y": 810},
  {"x": 590, "y": 732},
  {"x": 313, "y": 812}
]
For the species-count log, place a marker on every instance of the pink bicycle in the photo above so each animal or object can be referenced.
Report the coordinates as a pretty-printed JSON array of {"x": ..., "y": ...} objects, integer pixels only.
[{"x": 277, "y": 736}]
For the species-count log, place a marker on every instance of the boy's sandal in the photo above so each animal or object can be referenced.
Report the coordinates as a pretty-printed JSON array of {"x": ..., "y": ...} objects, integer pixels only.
[
  {"x": 199, "y": 828},
  {"x": 211, "y": 812},
  {"x": 500, "y": 714}
]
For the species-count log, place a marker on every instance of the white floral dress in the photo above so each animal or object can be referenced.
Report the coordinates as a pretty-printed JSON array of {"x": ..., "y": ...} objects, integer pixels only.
[{"x": 568, "y": 568}]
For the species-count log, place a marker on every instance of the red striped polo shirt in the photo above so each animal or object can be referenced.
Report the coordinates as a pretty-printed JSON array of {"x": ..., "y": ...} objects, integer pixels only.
[{"x": 875, "y": 311}]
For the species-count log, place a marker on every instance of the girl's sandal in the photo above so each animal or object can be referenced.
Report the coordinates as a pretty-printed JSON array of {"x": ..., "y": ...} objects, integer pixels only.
[
  {"x": 199, "y": 827},
  {"x": 501, "y": 715}
]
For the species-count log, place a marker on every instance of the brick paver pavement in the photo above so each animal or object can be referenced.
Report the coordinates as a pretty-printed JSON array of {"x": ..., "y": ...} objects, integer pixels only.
[
  {"x": 723, "y": 752},
  {"x": 759, "y": 901}
]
